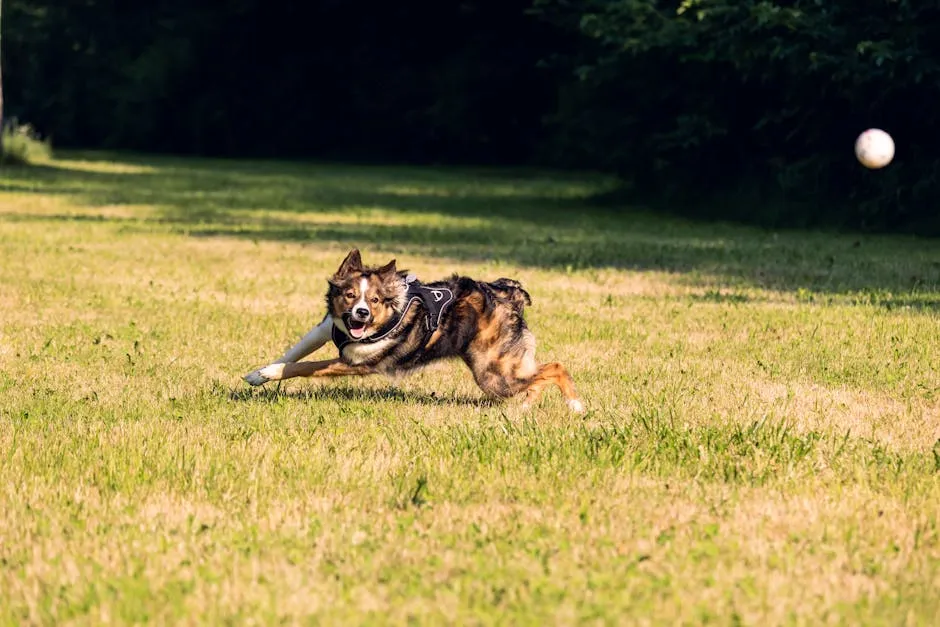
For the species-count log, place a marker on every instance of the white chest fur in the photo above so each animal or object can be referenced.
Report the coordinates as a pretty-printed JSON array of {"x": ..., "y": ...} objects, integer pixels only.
[{"x": 355, "y": 353}]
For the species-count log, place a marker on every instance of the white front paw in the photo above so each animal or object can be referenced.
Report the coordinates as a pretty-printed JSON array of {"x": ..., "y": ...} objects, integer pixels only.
[
  {"x": 576, "y": 406},
  {"x": 255, "y": 378},
  {"x": 261, "y": 376}
]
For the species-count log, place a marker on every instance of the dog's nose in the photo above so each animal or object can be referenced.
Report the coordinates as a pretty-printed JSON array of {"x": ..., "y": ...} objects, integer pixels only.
[{"x": 362, "y": 312}]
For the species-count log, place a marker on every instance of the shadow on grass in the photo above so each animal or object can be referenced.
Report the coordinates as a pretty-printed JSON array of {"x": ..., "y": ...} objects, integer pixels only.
[
  {"x": 475, "y": 214},
  {"x": 270, "y": 393}
]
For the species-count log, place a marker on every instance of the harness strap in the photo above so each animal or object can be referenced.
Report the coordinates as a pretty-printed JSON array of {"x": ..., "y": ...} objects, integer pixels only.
[{"x": 435, "y": 300}]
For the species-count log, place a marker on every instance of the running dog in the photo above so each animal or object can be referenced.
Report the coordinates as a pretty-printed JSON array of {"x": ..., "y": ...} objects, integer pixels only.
[{"x": 383, "y": 321}]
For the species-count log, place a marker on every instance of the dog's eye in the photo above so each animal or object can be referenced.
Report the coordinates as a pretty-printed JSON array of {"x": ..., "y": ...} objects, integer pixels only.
[
  {"x": 375, "y": 300},
  {"x": 350, "y": 294}
]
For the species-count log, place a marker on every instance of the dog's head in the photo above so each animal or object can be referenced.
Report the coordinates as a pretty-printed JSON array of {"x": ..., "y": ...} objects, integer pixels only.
[{"x": 362, "y": 299}]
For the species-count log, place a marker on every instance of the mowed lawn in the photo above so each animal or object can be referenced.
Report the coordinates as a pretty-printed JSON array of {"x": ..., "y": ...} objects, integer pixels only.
[{"x": 760, "y": 448}]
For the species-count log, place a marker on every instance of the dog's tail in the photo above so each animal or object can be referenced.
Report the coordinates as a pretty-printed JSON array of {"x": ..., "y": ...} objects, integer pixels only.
[{"x": 512, "y": 291}]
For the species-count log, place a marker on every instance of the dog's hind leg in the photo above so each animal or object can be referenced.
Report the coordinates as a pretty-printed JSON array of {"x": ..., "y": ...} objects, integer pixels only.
[
  {"x": 507, "y": 368},
  {"x": 548, "y": 374}
]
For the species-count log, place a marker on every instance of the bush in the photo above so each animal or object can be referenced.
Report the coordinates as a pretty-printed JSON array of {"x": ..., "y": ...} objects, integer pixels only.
[
  {"x": 23, "y": 145},
  {"x": 759, "y": 100}
]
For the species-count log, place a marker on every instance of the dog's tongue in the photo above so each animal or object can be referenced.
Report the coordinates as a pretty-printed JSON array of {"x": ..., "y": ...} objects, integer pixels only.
[{"x": 356, "y": 333}]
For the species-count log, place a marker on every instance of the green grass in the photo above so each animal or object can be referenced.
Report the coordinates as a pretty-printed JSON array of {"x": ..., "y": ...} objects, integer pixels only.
[
  {"x": 21, "y": 145},
  {"x": 761, "y": 445}
]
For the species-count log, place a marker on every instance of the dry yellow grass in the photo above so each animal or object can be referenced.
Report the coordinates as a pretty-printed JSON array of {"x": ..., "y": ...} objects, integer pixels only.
[{"x": 760, "y": 447}]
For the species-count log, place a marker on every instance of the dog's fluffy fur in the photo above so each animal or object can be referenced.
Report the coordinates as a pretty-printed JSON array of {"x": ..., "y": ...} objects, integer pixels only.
[{"x": 483, "y": 325}]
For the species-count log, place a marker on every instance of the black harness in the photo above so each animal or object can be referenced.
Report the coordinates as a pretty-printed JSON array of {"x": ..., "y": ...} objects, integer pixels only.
[{"x": 434, "y": 299}]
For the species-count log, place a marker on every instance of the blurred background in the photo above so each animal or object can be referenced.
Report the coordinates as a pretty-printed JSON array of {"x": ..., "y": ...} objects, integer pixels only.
[{"x": 734, "y": 109}]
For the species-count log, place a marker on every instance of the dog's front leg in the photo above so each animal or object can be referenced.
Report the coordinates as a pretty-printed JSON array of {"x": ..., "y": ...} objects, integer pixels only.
[
  {"x": 327, "y": 368},
  {"x": 313, "y": 340}
]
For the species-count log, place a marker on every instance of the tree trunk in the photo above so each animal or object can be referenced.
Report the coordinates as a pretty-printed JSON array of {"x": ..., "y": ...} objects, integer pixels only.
[
  {"x": 1, "y": 80},
  {"x": 1, "y": 109}
]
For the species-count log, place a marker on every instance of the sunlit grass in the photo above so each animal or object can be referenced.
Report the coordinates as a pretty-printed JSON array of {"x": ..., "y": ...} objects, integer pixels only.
[
  {"x": 22, "y": 145},
  {"x": 760, "y": 447}
]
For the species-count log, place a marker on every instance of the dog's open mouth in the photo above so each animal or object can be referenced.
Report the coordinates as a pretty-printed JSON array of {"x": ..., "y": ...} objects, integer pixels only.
[{"x": 356, "y": 328}]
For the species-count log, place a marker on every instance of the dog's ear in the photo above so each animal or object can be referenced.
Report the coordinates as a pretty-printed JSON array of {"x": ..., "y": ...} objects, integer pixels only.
[
  {"x": 388, "y": 268},
  {"x": 352, "y": 263}
]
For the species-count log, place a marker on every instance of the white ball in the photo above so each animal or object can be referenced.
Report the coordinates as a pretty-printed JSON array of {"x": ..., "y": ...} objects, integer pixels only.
[{"x": 874, "y": 148}]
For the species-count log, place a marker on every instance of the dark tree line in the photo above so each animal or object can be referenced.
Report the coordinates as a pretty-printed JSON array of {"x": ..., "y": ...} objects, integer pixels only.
[
  {"x": 750, "y": 100},
  {"x": 417, "y": 80}
]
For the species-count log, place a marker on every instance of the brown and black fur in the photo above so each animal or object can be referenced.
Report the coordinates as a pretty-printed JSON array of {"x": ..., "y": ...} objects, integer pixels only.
[{"x": 484, "y": 326}]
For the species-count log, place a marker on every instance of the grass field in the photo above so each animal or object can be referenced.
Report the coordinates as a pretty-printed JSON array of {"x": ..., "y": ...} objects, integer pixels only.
[{"x": 760, "y": 448}]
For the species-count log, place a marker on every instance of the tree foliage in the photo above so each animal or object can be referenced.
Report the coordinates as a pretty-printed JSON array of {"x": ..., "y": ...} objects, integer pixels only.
[
  {"x": 701, "y": 96},
  {"x": 693, "y": 98},
  {"x": 422, "y": 80}
]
